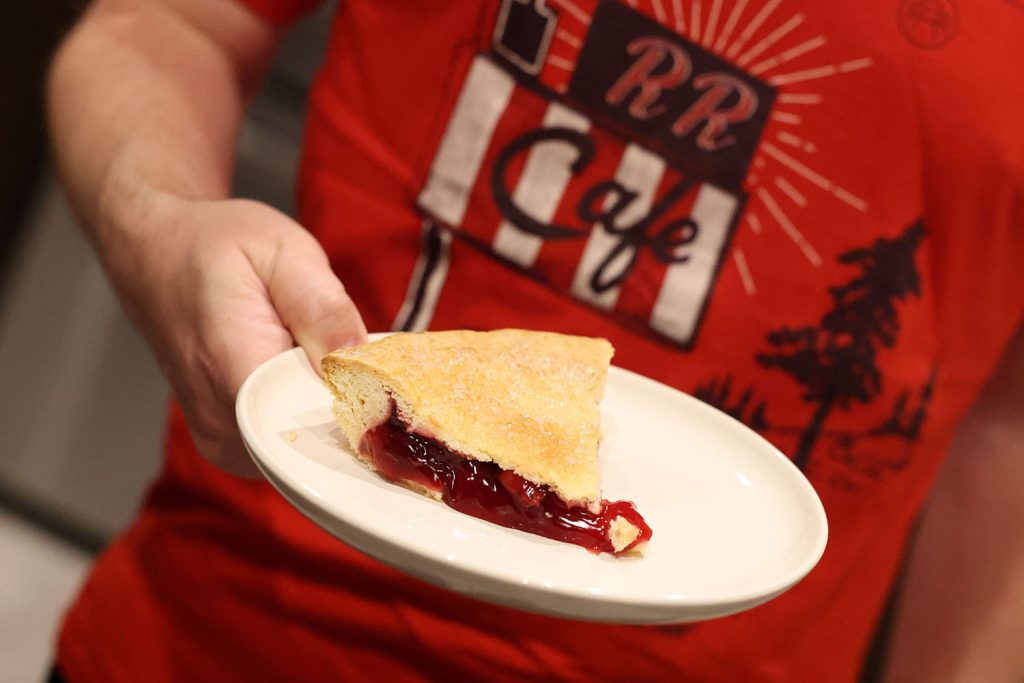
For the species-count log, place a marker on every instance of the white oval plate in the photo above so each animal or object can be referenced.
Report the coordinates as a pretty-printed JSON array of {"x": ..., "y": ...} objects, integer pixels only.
[{"x": 735, "y": 523}]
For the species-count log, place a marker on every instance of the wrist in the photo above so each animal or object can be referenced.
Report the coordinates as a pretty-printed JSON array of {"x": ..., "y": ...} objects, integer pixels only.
[
  {"x": 136, "y": 228},
  {"x": 132, "y": 195}
]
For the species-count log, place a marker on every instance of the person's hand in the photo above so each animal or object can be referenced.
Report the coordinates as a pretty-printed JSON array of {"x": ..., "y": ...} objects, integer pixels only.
[{"x": 218, "y": 287}]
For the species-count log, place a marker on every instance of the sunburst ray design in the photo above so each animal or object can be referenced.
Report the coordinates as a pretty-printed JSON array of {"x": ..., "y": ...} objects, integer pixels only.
[
  {"x": 745, "y": 277},
  {"x": 790, "y": 191},
  {"x": 796, "y": 141},
  {"x": 787, "y": 226},
  {"x": 792, "y": 53},
  {"x": 712, "y": 25},
  {"x": 814, "y": 177},
  {"x": 786, "y": 117},
  {"x": 730, "y": 25},
  {"x": 561, "y": 62},
  {"x": 750, "y": 28},
  {"x": 659, "y": 11},
  {"x": 573, "y": 9},
  {"x": 677, "y": 16},
  {"x": 754, "y": 222},
  {"x": 798, "y": 98},
  {"x": 821, "y": 71},
  {"x": 770, "y": 39},
  {"x": 569, "y": 38}
]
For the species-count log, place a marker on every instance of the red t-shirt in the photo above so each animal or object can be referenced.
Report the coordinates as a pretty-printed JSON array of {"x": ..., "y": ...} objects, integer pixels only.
[{"x": 808, "y": 214}]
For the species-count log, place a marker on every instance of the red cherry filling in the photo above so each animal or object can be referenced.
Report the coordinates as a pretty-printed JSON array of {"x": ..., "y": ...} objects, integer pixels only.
[{"x": 486, "y": 491}]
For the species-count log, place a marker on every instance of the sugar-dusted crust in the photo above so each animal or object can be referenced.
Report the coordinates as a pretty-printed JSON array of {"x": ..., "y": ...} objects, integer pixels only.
[{"x": 528, "y": 401}]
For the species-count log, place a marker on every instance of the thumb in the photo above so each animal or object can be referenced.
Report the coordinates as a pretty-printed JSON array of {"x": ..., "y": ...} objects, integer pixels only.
[{"x": 312, "y": 302}]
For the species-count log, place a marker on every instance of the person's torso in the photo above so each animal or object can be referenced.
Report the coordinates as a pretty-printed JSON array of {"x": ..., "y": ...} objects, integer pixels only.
[{"x": 801, "y": 213}]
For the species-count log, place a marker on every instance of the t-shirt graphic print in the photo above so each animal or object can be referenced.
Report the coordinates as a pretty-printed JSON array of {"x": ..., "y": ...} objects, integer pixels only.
[{"x": 607, "y": 153}]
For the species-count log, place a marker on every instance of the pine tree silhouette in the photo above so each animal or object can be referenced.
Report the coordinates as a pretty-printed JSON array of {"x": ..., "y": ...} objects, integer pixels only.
[
  {"x": 899, "y": 423},
  {"x": 835, "y": 361}
]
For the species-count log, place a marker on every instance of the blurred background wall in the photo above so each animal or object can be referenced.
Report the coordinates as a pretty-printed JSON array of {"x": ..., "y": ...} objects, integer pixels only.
[{"x": 81, "y": 399}]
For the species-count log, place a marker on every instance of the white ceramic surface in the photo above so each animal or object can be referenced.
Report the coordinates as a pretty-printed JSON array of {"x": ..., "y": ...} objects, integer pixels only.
[{"x": 735, "y": 523}]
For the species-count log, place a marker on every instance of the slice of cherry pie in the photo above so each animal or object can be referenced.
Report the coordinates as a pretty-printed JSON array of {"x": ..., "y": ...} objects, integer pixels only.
[{"x": 500, "y": 425}]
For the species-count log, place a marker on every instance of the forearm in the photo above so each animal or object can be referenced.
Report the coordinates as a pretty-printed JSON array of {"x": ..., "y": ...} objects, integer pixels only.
[
  {"x": 960, "y": 614},
  {"x": 143, "y": 98}
]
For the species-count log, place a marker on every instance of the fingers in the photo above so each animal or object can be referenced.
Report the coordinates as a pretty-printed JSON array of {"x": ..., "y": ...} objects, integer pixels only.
[
  {"x": 312, "y": 302},
  {"x": 223, "y": 446},
  {"x": 206, "y": 388}
]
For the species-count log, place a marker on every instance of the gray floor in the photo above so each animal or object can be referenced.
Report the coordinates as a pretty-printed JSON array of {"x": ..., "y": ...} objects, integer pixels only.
[{"x": 39, "y": 575}]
